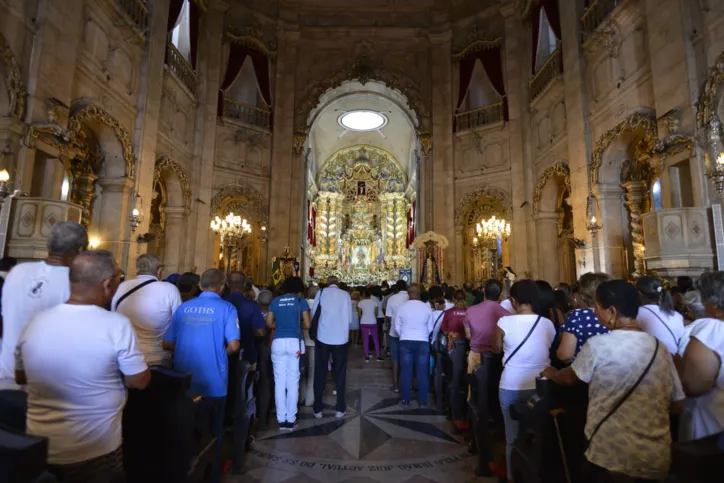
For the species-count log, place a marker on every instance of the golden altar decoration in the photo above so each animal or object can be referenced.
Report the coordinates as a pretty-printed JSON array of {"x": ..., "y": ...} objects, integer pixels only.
[
  {"x": 430, "y": 248},
  {"x": 361, "y": 209}
]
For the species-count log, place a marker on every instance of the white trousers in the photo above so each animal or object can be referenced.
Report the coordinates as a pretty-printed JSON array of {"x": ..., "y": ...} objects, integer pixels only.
[
  {"x": 306, "y": 387},
  {"x": 285, "y": 360}
]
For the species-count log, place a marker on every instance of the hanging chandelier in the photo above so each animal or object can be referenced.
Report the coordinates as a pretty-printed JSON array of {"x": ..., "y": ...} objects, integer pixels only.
[
  {"x": 231, "y": 229},
  {"x": 493, "y": 228}
]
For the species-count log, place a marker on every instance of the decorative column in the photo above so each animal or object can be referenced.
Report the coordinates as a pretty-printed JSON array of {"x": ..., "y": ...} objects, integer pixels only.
[
  {"x": 83, "y": 194},
  {"x": 173, "y": 238},
  {"x": 394, "y": 228},
  {"x": 636, "y": 202},
  {"x": 113, "y": 217},
  {"x": 328, "y": 232},
  {"x": 546, "y": 224}
]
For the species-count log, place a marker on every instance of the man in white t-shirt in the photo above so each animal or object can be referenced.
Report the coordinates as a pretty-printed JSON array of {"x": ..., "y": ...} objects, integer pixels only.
[
  {"x": 393, "y": 303},
  {"x": 150, "y": 304},
  {"x": 413, "y": 324},
  {"x": 77, "y": 359},
  {"x": 33, "y": 287}
]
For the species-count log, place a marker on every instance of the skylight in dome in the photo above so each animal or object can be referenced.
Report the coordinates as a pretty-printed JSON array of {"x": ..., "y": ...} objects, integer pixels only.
[{"x": 362, "y": 120}]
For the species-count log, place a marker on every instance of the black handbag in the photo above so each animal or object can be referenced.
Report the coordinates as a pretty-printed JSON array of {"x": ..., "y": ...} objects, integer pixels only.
[
  {"x": 303, "y": 356},
  {"x": 315, "y": 319}
]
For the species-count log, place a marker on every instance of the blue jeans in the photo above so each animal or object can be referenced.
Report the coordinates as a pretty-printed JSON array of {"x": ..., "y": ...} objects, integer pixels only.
[
  {"x": 417, "y": 353},
  {"x": 507, "y": 399}
]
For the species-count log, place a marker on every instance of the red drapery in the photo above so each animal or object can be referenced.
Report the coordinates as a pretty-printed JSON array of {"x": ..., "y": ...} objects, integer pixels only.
[
  {"x": 173, "y": 12},
  {"x": 554, "y": 20},
  {"x": 194, "y": 20},
  {"x": 411, "y": 232},
  {"x": 311, "y": 224},
  {"x": 492, "y": 61},
  {"x": 237, "y": 55}
]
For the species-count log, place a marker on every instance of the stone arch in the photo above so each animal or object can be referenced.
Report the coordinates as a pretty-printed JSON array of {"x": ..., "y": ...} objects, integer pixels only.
[
  {"x": 165, "y": 163},
  {"x": 257, "y": 207},
  {"x": 91, "y": 113},
  {"x": 559, "y": 168},
  {"x": 488, "y": 194},
  {"x": 17, "y": 94},
  {"x": 642, "y": 123}
]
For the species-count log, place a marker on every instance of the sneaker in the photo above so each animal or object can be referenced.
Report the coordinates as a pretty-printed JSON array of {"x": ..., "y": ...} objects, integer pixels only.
[
  {"x": 284, "y": 426},
  {"x": 340, "y": 415},
  {"x": 291, "y": 426},
  {"x": 334, "y": 393},
  {"x": 367, "y": 359},
  {"x": 318, "y": 415},
  {"x": 380, "y": 359},
  {"x": 404, "y": 404}
]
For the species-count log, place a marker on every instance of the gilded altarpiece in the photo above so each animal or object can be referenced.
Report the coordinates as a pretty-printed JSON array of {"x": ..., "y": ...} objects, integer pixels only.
[{"x": 361, "y": 211}]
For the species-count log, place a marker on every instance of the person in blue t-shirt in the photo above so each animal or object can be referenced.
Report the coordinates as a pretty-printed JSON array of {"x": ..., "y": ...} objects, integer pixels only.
[
  {"x": 288, "y": 315},
  {"x": 204, "y": 331},
  {"x": 251, "y": 322}
]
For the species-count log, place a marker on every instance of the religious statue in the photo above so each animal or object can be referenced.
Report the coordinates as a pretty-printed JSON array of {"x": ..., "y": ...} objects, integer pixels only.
[{"x": 361, "y": 259}]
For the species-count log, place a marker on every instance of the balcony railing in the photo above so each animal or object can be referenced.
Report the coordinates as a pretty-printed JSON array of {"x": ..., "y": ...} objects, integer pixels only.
[
  {"x": 246, "y": 113},
  {"x": 552, "y": 67},
  {"x": 137, "y": 10},
  {"x": 480, "y": 117},
  {"x": 181, "y": 68},
  {"x": 596, "y": 12}
]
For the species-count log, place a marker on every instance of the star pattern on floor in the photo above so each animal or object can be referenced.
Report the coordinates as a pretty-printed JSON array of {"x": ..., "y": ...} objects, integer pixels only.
[{"x": 371, "y": 420}]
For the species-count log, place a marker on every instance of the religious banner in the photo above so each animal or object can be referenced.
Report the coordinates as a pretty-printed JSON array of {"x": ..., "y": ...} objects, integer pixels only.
[
  {"x": 406, "y": 275},
  {"x": 277, "y": 276}
]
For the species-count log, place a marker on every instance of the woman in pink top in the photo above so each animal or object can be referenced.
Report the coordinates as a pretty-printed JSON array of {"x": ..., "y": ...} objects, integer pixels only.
[{"x": 452, "y": 322}]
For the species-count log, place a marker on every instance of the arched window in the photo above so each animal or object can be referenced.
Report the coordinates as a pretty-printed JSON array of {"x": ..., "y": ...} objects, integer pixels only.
[
  {"x": 547, "y": 41},
  {"x": 245, "y": 88},
  {"x": 480, "y": 92},
  {"x": 181, "y": 33},
  {"x": 656, "y": 198}
]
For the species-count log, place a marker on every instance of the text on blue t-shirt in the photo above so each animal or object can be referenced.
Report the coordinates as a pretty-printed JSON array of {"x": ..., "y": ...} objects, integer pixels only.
[{"x": 287, "y": 310}]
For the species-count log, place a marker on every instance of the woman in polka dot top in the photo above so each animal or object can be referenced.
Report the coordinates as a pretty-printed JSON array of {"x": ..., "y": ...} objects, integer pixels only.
[{"x": 582, "y": 323}]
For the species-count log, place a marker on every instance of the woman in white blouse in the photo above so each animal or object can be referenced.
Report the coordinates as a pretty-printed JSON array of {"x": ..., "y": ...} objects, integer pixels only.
[{"x": 656, "y": 315}]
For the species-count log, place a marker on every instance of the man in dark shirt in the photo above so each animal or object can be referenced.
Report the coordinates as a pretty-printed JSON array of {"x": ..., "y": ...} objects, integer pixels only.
[{"x": 250, "y": 318}]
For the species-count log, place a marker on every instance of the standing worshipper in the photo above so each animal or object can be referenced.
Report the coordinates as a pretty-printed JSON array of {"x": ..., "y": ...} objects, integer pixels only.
[
  {"x": 150, "y": 304},
  {"x": 188, "y": 286},
  {"x": 251, "y": 321},
  {"x": 288, "y": 316},
  {"x": 332, "y": 338},
  {"x": 657, "y": 316},
  {"x": 453, "y": 321},
  {"x": 368, "y": 322},
  {"x": 395, "y": 302},
  {"x": 480, "y": 323},
  {"x": 204, "y": 331},
  {"x": 264, "y": 366},
  {"x": 413, "y": 323},
  {"x": 306, "y": 387},
  {"x": 77, "y": 360}
]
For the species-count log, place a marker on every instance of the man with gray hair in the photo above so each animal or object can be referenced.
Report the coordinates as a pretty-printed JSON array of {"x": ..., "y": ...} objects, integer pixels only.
[
  {"x": 149, "y": 303},
  {"x": 77, "y": 360},
  {"x": 33, "y": 287}
]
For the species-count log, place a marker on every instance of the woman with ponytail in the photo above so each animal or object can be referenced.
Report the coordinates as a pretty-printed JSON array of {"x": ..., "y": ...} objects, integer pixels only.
[{"x": 656, "y": 315}]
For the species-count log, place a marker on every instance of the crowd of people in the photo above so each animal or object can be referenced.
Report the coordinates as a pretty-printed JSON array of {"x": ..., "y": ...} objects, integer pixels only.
[{"x": 75, "y": 338}]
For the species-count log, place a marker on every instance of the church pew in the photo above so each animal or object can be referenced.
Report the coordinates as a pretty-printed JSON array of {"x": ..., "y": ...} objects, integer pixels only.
[{"x": 23, "y": 458}]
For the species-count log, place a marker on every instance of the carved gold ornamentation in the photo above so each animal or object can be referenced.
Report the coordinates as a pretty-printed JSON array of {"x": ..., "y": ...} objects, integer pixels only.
[
  {"x": 83, "y": 193},
  {"x": 165, "y": 162},
  {"x": 253, "y": 38},
  {"x": 254, "y": 200},
  {"x": 430, "y": 236},
  {"x": 636, "y": 195},
  {"x": 606, "y": 38},
  {"x": 634, "y": 122},
  {"x": 298, "y": 143},
  {"x": 425, "y": 143},
  {"x": 707, "y": 105},
  {"x": 92, "y": 113},
  {"x": 379, "y": 168},
  {"x": 478, "y": 39},
  {"x": 364, "y": 70},
  {"x": 486, "y": 194},
  {"x": 13, "y": 80},
  {"x": 557, "y": 169}
]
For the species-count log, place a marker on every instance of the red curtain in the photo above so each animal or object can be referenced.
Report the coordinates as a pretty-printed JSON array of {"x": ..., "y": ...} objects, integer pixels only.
[
  {"x": 467, "y": 65},
  {"x": 237, "y": 54},
  {"x": 261, "y": 68},
  {"x": 493, "y": 64},
  {"x": 194, "y": 20},
  {"x": 411, "y": 235},
  {"x": 173, "y": 12},
  {"x": 314, "y": 227}
]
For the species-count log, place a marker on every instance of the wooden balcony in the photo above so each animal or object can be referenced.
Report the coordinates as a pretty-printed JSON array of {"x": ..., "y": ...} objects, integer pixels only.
[
  {"x": 137, "y": 10},
  {"x": 181, "y": 68},
  {"x": 596, "y": 12},
  {"x": 551, "y": 68},
  {"x": 482, "y": 116},
  {"x": 246, "y": 113}
]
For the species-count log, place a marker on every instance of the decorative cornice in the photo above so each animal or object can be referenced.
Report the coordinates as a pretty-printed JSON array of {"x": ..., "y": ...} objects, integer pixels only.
[
  {"x": 253, "y": 38},
  {"x": 165, "y": 162},
  {"x": 559, "y": 168},
  {"x": 477, "y": 40},
  {"x": 470, "y": 200},
  {"x": 13, "y": 80},
  {"x": 707, "y": 105}
]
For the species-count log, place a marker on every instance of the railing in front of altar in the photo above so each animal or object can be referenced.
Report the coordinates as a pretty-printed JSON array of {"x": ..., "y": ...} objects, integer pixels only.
[
  {"x": 181, "y": 68},
  {"x": 596, "y": 12},
  {"x": 552, "y": 67},
  {"x": 137, "y": 10},
  {"x": 482, "y": 116},
  {"x": 246, "y": 113}
]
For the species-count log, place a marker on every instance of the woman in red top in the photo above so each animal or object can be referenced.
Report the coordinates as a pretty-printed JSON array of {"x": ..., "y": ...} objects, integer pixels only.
[{"x": 453, "y": 323}]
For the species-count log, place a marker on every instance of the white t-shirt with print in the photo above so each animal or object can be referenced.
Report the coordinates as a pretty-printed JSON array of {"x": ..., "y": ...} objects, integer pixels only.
[
  {"x": 508, "y": 305},
  {"x": 368, "y": 306},
  {"x": 521, "y": 370},
  {"x": 394, "y": 303},
  {"x": 150, "y": 309},
  {"x": 668, "y": 328},
  {"x": 73, "y": 357},
  {"x": 704, "y": 415},
  {"x": 631, "y": 441},
  {"x": 29, "y": 289}
]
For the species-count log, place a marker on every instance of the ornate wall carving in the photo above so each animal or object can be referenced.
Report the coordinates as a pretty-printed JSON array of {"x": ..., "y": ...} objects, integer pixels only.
[
  {"x": 469, "y": 201},
  {"x": 558, "y": 169},
  {"x": 13, "y": 80},
  {"x": 255, "y": 200},
  {"x": 708, "y": 98},
  {"x": 165, "y": 162},
  {"x": 93, "y": 113}
]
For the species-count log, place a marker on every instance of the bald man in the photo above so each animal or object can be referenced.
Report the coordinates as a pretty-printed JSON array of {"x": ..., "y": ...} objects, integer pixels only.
[{"x": 77, "y": 359}]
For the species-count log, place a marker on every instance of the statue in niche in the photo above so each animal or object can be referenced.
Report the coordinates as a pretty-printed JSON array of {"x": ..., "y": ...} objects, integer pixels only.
[
  {"x": 361, "y": 188},
  {"x": 361, "y": 259}
]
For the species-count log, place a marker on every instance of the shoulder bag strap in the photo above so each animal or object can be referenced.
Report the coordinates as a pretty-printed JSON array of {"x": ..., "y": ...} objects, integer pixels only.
[
  {"x": 132, "y": 291},
  {"x": 429, "y": 338},
  {"x": 676, "y": 342},
  {"x": 299, "y": 320},
  {"x": 628, "y": 393},
  {"x": 524, "y": 341}
]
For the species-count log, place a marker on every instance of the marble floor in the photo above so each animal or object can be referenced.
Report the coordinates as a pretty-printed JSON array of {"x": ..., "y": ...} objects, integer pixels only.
[{"x": 377, "y": 441}]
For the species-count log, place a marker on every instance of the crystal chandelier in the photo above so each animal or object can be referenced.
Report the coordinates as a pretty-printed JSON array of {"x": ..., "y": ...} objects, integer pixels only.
[
  {"x": 493, "y": 228},
  {"x": 231, "y": 229}
]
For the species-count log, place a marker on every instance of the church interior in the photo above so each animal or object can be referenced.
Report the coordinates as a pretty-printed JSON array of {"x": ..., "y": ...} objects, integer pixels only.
[{"x": 436, "y": 141}]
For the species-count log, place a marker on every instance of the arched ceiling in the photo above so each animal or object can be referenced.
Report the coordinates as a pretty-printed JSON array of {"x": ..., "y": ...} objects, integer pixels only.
[{"x": 327, "y": 136}]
